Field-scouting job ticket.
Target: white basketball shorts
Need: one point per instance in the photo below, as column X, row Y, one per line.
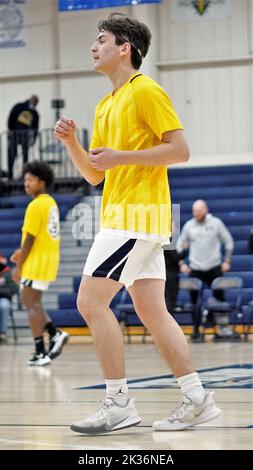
column 37, row 285
column 125, row 259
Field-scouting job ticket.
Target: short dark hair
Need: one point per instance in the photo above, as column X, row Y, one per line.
column 42, row 170
column 128, row 29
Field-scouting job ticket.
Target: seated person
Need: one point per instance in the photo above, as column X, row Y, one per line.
column 7, row 289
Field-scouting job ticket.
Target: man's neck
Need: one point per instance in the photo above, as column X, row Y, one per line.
column 39, row 194
column 120, row 76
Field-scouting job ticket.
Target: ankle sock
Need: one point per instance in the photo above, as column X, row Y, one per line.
column 192, row 388
column 50, row 328
column 117, row 389
column 39, row 345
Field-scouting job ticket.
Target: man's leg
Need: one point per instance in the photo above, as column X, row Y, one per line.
column 171, row 290
column 210, row 276
column 38, row 318
column 5, row 310
column 198, row 406
column 196, row 314
column 118, row 411
column 148, row 299
column 25, row 147
column 94, row 297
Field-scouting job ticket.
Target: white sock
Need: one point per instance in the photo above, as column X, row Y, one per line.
column 117, row 389
column 192, row 388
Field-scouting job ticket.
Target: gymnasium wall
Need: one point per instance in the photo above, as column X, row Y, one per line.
column 205, row 66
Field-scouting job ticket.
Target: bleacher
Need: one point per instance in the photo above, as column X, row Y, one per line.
column 229, row 194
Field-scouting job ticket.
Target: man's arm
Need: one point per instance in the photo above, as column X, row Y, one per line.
column 13, row 117
column 226, row 238
column 183, row 244
column 174, row 149
column 65, row 132
column 24, row 252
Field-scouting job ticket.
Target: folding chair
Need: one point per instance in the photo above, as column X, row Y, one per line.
column 184, row 303
column 247, row 316
column 232, row 287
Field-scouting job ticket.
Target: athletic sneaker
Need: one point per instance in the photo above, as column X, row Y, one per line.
column 111, row 416
column 39, row 360
column 56, row 344
column 186, row 415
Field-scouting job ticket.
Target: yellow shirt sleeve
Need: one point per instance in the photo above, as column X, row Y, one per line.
column 95, row 140
column 155, row 108
column 32, row 221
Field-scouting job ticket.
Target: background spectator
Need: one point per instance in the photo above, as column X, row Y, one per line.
column 7, row 289
column 204, row 236
column 23, row 123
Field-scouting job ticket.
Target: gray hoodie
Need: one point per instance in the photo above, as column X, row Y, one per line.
column 204, row 241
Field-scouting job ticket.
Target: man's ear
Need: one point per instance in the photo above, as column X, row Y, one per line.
column 126, row 47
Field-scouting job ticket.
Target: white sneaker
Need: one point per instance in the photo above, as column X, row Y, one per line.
column 56, row 344
column 186, row 415
column 109, row 417
column 39, row 360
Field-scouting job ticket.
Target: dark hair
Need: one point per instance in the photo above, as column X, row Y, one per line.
column 42, row 170
column 128, row 29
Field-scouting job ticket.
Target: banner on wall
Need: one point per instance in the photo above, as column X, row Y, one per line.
column 187, row 10
column 70, row 5
column 12, row 23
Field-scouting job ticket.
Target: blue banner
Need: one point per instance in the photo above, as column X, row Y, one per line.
column 70, row 5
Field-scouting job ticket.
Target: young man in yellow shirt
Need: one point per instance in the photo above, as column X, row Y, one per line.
column 37, row 261
column 136, row 135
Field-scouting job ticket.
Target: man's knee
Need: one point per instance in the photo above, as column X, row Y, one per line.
column 5, row 304
column 88, row 306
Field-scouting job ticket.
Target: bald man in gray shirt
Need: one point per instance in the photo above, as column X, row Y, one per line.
column 204, row 236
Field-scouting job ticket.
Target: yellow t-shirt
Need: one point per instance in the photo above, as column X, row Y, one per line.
column 42, row 221
column 136, row 198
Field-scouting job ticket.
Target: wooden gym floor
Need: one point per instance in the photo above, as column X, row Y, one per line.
column 38, row 404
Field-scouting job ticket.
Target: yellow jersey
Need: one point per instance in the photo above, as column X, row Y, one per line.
column 136, row 198
column 42, row 221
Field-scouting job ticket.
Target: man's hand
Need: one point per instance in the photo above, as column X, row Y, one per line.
column 16, row 275
column 65, row 130
column 184, row 268
column 103, row 158
column 15, row 256
column 225, row 267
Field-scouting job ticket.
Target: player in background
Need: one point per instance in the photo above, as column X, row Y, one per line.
column 37, row 260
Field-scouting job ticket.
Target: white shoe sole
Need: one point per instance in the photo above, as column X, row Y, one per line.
column 132, row 420
column 208, row 415
column 38, row 364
